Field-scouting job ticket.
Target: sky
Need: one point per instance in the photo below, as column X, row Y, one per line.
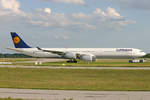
column 76, row 23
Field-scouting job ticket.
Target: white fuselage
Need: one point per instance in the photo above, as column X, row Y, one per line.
column 97, row 52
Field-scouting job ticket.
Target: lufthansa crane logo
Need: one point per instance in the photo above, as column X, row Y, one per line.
column 16, row 40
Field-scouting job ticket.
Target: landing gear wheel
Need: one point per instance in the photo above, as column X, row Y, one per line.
column 130, row 61
column 72, row 61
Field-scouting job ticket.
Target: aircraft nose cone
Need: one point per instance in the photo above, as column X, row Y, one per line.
column 143, row 54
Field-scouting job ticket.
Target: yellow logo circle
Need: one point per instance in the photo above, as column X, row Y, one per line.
column 16, row 40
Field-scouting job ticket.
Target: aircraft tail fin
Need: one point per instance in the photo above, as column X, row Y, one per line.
column 18, row 42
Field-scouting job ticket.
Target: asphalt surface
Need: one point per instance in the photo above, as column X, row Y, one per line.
column 52, row 67
column 75, row 95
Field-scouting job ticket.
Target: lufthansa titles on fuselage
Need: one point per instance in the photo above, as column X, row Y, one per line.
column 123, row 50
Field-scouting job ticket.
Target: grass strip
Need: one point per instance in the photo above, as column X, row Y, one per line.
column 75, row 79
column 9, row 98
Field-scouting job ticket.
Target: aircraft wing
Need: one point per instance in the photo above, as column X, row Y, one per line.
column 68, row 54
column 51, row 51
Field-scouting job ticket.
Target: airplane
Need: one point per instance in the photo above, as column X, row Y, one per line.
column 73, row 54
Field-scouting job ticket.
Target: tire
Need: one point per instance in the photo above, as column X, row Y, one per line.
column 130, row 61
column 141, row 61
column 72, row 61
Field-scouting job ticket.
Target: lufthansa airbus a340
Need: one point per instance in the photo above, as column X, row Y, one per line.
column 85, row 54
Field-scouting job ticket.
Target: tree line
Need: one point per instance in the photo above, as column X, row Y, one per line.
column 15, row 55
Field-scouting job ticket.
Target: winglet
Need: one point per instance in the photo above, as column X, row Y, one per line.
column 38, row 48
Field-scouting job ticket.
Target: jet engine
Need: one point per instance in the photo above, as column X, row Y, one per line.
column 88, row 57
column 70, row 55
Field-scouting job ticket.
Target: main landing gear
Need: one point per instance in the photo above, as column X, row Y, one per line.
column 72, row 61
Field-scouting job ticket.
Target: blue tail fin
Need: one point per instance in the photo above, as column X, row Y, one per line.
column 18, row 42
